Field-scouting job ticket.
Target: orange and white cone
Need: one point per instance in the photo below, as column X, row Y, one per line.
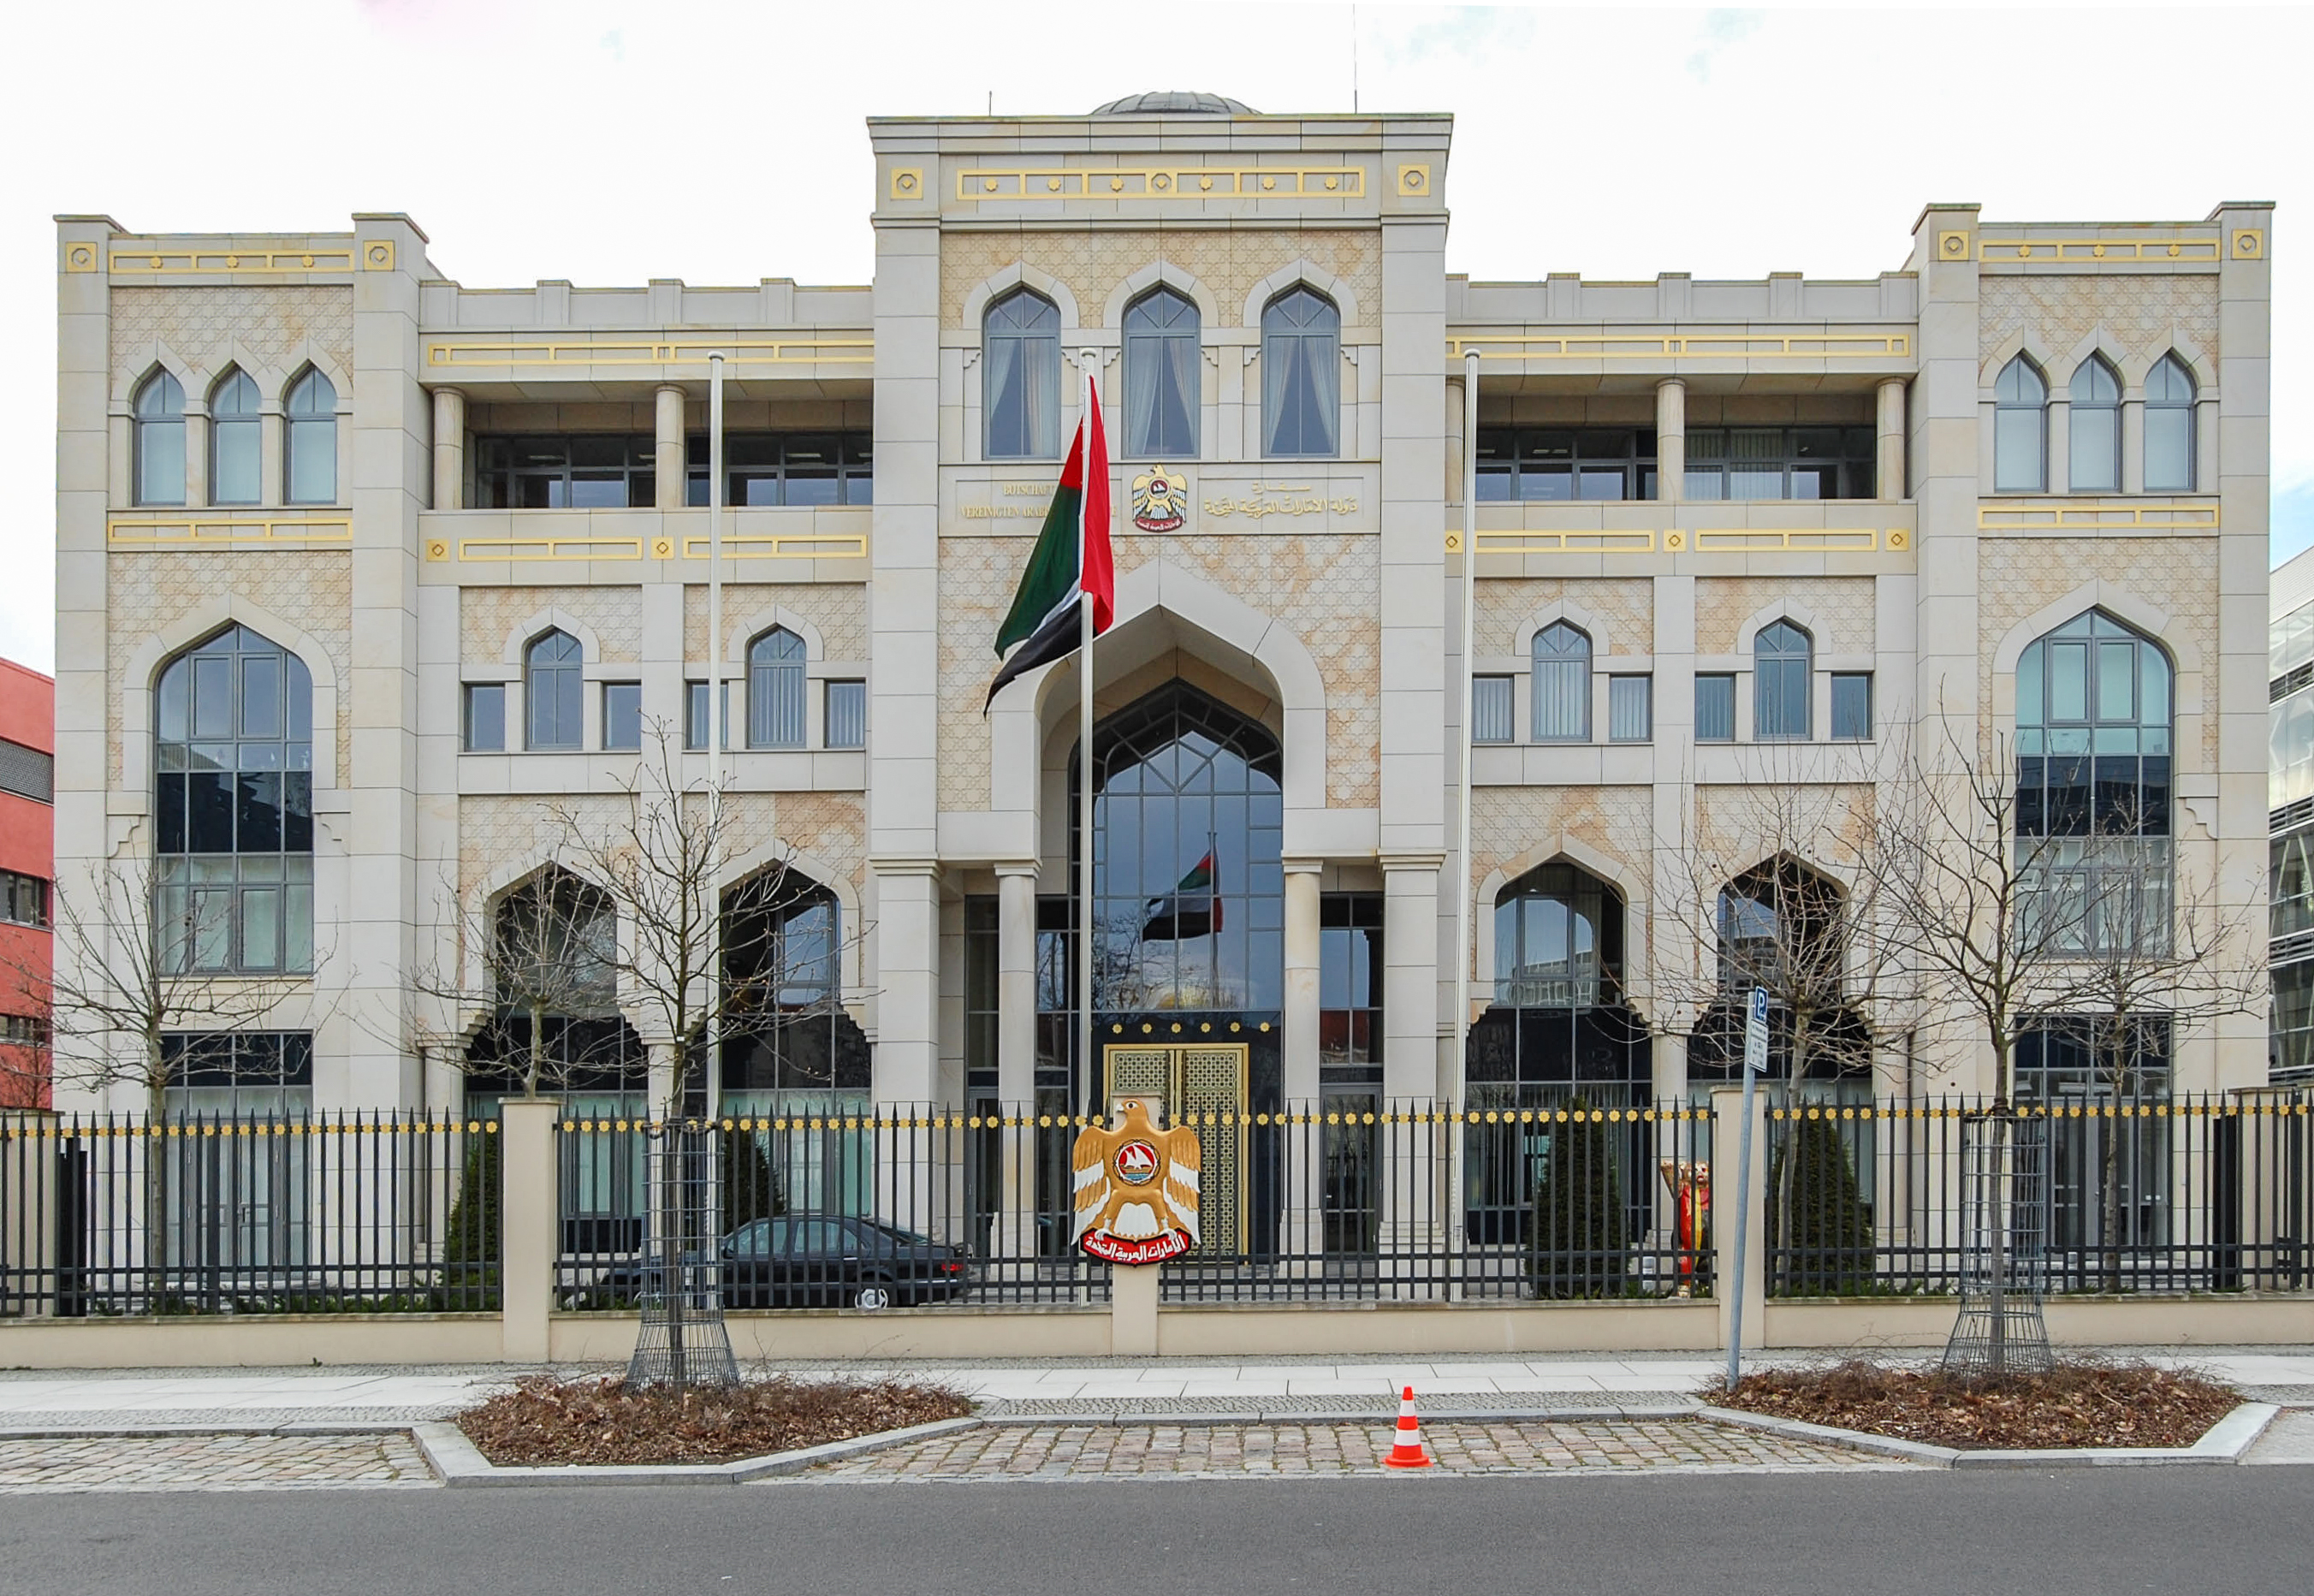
column 1407, row 1452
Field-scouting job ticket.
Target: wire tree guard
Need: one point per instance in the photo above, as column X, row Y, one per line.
column 2004, row 1265
column 682, row 1340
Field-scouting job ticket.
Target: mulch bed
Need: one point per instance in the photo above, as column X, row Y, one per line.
column 2077, row 1404
column 544, row 1421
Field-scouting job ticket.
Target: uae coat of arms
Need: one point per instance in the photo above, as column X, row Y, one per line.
column 1137, row 1187
column 1161, row 501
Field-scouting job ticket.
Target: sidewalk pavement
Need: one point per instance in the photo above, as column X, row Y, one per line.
column 259, row 1399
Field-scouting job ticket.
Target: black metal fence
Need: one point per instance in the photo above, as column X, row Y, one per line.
column 1409, row 1200
column 114, row 1215
column 2186, row 1195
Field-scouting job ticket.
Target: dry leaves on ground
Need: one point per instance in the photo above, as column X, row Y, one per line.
column 544, row 1421
column 2077, row 1404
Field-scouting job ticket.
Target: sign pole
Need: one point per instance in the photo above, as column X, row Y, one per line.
column 1755, row 1064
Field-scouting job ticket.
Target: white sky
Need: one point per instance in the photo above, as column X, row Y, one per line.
column 610, row 143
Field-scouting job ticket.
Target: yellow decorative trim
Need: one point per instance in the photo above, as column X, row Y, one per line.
column 662, row 548
column 907, row 183
column 1824, row 540
column 80, row 257
column 437, row 549
column 1160, row 182
column 1414, row 181
column 2052, row 250
column 132, row 261
column 2096, row 514
column 377, row 255
column 1590, row 541
column 2250, row 243
column 224, row 530
column 1952, row 246
column 550, row 547
column 601, row 351
column 1687, row 346
column 785, row 546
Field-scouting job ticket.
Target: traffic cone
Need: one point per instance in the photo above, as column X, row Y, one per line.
column 1407, row 1453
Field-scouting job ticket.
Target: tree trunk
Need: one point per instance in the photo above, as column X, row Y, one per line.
column 157, row 1170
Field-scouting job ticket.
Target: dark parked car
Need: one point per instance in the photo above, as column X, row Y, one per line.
column 820, row 1260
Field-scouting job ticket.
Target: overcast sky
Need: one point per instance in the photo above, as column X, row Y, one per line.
column 610, row 143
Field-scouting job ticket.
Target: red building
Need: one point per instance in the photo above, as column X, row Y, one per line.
column 28, row 721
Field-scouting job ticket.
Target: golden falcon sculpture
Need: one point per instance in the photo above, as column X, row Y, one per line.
column 1137, row 1187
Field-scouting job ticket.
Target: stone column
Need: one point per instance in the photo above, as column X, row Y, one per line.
column 1457, row 444
column 673, row 464
column 907, row 965
column 1670, row 1071
column 1302, row 961
column 1671, row 440
column 1016, row 1055
column 529, row 1209
column 449, row 449
column 1888, row 462
column 1411, row 1223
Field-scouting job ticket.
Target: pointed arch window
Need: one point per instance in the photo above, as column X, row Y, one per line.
column 1301, row 377
column 1161, row 391
column 2020, row 429
column 2094, row 702
column 234, row 474
column 1780, row 683
column 312, row 437
column 788, row 1039
column 233, row 808
column 1563, row 684
column 159, row 412
column 2094, row 441
column 1021, row 377
column 776, row 690
column 2170, row 426
column 553, row 670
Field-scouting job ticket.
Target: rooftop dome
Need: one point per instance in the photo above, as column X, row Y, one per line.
column 1173, row 103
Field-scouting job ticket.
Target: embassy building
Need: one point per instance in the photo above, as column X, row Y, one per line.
column 368, row 578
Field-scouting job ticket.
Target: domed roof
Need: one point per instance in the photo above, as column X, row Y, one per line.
column 1171, row 102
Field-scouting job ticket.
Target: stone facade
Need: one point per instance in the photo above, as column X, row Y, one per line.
column 1317, row 599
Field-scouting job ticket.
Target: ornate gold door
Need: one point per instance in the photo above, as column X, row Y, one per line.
column 1208, row 1080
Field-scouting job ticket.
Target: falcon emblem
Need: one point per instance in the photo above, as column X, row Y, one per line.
column 1137, row 1187
column 1161, row 501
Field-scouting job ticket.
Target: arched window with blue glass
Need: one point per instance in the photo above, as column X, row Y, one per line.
column 553, row 689
column 1301, row 377
column 2020, row 429
column 776, row 690
column 312, row 413
column 1161, row 388
column 158, row 415
column 2170, row 396
column 2094, row 779
column 1563, row 684
column 1021, row 377
column 1783, row 684
column 2093, row 448
column 233, row 809
column 235, row 477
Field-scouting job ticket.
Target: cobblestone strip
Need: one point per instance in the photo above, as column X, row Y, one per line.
column 208, row 1463
column 1092, row 1451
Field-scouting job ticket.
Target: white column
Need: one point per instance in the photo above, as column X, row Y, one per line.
column 1016, row 984
column 1670, row 1071
column 1671, row 440
column 907, row 965
column 449, row 449
column 1888, row 465
column 1410, row 976
column 1455, row 447
column 2133, row 446
column 673, row 465
column 1300, row 1019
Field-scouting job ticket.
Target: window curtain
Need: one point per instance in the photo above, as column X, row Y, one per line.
column 1142, row 375
column 775, row 689
column 1181, row 411
column 1001, row 396
column 1301, row 392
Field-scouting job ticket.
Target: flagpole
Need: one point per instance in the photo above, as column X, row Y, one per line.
column 717, row 734
column 1462, row 952
column 1084, row 742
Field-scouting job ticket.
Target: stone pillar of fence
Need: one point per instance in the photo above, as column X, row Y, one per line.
column 528, row 1205
column 1726, row 1191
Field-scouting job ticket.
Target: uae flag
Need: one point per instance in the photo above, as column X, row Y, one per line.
column 1192, row 909
column 1071, row 557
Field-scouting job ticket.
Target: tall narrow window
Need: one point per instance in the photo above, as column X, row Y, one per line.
column 1490, row 709
column 2093, row 783
column 1715, row 708
column 844, row 715
column 1631, row 708
column 2168, row 428
column 1563, row 684
column 2020, row 429
column 554, row 674
column 1301, row 378
column 1160, row 376
column 160, row 442
column 1779, row 682
column 234, row 474
column 234, row 802
column 2096, row 429
column 776, row 690
column 1021, row 377
column 312, row 412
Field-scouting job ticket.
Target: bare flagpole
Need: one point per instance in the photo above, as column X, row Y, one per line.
column 718, row 733
column 1469, row 622
column 1084, row 738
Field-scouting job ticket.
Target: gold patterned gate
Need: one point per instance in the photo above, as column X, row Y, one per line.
column 1208, row 1080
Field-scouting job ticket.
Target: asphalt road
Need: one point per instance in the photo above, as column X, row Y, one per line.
column 2201, row 1530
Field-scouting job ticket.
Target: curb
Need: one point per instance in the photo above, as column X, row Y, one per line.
column 459, row 1464
column 2224, row 1442
column 99, row 1431
column 1620, row 1413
